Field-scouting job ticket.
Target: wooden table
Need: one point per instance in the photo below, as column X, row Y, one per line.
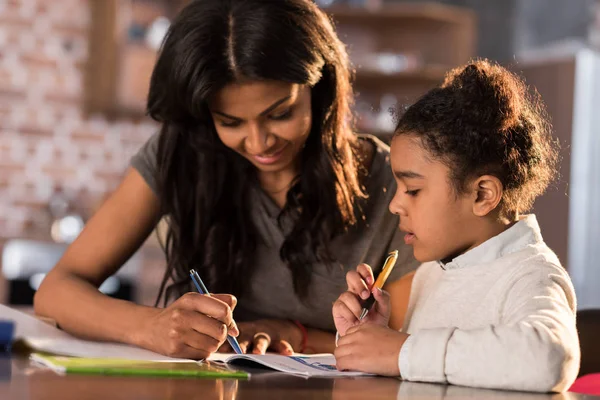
column 23, row 381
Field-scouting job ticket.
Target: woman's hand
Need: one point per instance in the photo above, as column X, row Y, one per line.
column 277, row 335
column 193, row 327
column 348, row 307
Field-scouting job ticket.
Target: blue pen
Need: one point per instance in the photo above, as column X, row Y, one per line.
column 203, row 290
column 7, row 330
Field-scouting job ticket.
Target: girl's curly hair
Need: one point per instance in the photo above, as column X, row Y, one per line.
column 483, row 120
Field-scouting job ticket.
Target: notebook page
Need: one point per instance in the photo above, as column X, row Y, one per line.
column 313, row 365
column 43, row 337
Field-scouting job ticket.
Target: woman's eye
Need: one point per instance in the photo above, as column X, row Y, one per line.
column 232, row 124
column 281, row 116
column 412, row 193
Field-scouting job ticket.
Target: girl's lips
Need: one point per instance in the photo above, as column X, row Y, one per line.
column 409, row 238
column 269, row 158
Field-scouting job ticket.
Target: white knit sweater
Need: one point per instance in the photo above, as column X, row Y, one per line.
column 500, row 316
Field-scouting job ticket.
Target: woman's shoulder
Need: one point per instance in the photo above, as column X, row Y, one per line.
column 374, row 143
column 374, row 139
column 378, row 151
column 145, row 161
column 376, row 158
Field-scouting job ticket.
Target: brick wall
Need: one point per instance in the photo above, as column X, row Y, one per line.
column 46, row 143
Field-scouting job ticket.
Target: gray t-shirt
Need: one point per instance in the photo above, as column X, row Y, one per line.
column 271, row 293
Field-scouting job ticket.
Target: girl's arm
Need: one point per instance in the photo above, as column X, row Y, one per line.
column 535, row 347
column 317, row 341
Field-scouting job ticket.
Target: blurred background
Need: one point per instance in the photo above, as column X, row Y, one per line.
column 74, row 77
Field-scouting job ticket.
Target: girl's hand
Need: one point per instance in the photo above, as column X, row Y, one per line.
column 370, row 348
column 347, row 308
column 276, row 335
column 193, row 327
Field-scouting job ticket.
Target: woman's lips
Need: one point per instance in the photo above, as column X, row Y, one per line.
column 270, row 158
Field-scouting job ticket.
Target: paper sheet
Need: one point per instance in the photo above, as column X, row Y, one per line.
column 43, row 337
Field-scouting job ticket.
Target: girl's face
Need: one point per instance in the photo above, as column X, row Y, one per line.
column 439, row 224
column 267, row 122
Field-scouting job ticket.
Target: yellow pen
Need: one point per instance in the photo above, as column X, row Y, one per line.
column 390, row 261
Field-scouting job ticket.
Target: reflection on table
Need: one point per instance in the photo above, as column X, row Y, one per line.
column 19, row 379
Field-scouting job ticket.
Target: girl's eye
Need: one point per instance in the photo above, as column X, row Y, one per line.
column 412, row 193
column 281, row 116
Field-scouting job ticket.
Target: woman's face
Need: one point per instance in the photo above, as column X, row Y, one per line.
column 267, row 122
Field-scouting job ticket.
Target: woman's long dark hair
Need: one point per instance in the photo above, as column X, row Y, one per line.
column 203, row 186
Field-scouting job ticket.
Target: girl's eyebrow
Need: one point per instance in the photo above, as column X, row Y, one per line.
column 266, row 111
column 408, row 174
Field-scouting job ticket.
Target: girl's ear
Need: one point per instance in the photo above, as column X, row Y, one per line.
column 489, row 191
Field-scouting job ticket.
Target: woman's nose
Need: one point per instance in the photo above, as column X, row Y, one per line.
column 258, row 139
column 256, row 142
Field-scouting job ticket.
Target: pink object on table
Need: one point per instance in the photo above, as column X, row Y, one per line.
column 587, row 384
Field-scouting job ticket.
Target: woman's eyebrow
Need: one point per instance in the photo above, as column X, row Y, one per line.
column 266, row 111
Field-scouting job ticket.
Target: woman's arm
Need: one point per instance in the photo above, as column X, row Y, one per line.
column 281, row 336
column 399, row 291
column 318, row 341
column 69, row 294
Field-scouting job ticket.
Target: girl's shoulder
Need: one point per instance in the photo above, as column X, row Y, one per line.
column 535, row 262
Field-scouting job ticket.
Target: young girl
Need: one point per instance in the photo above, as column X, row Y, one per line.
column 491, row 306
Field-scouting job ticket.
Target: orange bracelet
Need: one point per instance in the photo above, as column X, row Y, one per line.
column 304, row 336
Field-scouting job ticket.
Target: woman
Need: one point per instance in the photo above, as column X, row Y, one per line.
column 262, row 182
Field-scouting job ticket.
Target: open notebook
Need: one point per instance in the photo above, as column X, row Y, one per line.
column 44, row 338
column 216, row 366
column 313, row 365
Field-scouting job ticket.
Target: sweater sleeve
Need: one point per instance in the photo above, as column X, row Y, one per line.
column 535, row 347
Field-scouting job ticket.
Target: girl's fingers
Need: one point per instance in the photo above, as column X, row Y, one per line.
column 343, row 317
column 352, row 303
column 383, row 303
column 357, row 285
column 366, row 272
